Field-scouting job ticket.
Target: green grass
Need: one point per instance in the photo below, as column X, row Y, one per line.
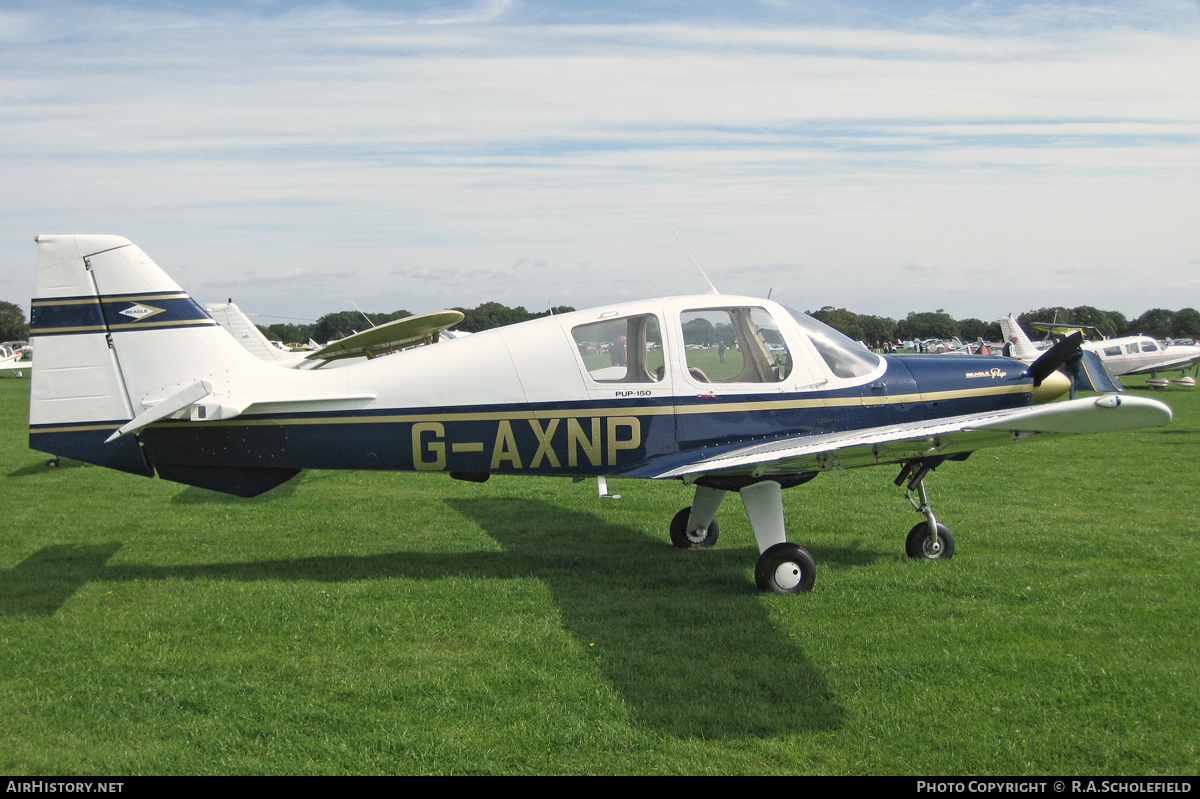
column 355, row 622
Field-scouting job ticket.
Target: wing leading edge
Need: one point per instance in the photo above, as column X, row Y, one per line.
column 941, row 437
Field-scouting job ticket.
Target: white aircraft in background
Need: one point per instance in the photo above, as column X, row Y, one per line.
column 134, row 375
column 10, row 361
column 1134, row 355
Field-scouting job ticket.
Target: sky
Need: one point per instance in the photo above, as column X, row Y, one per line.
column 886, row 157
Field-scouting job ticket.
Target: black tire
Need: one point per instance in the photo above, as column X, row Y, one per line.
column 679, row 533
column 917, row 545
column 785, row 569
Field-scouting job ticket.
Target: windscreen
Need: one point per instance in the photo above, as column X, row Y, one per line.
column 845, row 356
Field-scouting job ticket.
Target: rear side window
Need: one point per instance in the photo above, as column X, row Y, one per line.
column 627, row 349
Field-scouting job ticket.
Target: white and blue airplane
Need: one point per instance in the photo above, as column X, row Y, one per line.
column 134, row 375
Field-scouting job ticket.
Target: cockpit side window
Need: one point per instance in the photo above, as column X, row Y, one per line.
column 624, row 350
column 734, row 345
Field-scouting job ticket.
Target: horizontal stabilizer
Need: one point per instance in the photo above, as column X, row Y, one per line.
column 172, row 404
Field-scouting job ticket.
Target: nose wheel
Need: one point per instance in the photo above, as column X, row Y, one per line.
column 930, row 539
column 921, row 544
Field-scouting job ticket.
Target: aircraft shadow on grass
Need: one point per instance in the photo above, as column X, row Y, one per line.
column 690, row 649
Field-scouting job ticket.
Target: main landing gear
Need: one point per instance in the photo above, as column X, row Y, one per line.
column 782, row 568
column 928, row 539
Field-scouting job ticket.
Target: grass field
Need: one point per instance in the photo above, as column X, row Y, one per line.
column 355, row 622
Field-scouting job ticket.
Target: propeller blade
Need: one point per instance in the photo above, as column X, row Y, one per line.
column 1054, row 357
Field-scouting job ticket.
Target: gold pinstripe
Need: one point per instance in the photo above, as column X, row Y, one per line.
column 174, row 295
column 128, row 326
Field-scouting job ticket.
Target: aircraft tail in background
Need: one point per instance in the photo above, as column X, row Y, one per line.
column 1022, row 349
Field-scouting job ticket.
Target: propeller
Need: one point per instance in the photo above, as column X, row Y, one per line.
column 1054, row 357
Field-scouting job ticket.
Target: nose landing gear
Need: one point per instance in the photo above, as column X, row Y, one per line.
column 929, row 539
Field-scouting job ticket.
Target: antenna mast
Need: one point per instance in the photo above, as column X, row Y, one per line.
column 360, row 310
column 697, row 263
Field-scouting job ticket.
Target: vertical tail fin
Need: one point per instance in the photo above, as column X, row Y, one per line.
column 1023, row 348
column 114, row 336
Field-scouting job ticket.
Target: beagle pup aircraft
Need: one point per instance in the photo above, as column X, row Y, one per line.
column 723, row 393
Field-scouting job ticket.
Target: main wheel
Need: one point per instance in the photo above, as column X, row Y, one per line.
column 919, row 543
column 785, row 569
column 681, row 538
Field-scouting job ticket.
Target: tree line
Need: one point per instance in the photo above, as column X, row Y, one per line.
column 1157, row 322
column 331, row 327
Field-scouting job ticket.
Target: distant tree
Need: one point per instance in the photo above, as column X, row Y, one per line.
column 1156, row 322
column 860, row 327
column 699, row 331
column 877, row 329
column 1186, row 324
column 12, row 322
column 1109, row 323
column 839, row 319
column 491, row 314
column 937, row 324
column 495, row 314
column 975, row 329
column 288, row 333
column 331, row 327
column 1054, row 314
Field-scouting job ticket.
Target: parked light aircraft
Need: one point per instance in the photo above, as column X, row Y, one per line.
column 134, row 375
column 1128, row 355
column 10, row 362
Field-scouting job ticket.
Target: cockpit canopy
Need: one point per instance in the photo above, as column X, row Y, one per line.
column 742, row 342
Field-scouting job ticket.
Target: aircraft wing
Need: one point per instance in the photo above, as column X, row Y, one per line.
column 395, row 335
column 941, row 437
column 1181, row 362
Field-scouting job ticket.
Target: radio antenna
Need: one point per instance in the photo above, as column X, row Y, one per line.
column 697, row 263
column 360, row 310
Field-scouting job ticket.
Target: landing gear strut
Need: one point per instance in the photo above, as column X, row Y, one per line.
column 928, row 539
column 782, row 568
